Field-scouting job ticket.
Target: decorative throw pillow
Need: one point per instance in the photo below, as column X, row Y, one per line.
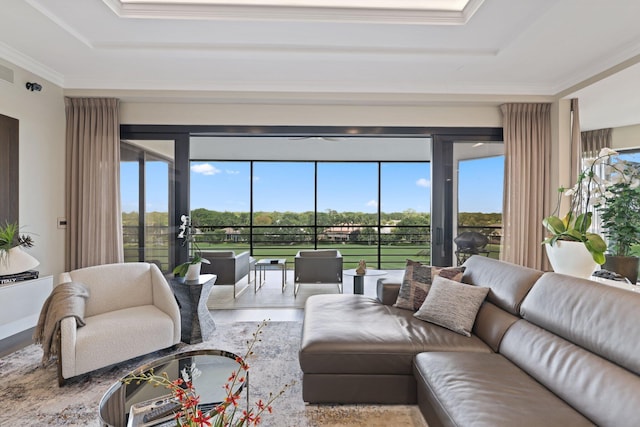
column 417, row 281
column 452, row 305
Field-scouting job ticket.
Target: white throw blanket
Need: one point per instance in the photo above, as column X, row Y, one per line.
column 66, row 300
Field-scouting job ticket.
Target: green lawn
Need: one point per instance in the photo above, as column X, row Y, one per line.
column 392, row 257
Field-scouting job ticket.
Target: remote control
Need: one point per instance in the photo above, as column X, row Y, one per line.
column 160, row 411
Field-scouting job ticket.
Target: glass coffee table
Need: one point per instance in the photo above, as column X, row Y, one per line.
column 216, row 367
column 358, row 279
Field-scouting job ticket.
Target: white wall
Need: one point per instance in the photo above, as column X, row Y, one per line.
column 42, row 141
column 320, row 115
column 626, row 137
column 42, row 131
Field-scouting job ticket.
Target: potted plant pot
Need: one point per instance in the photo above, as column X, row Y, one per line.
column 571, row 258
column 193, row 272
column 626, row 266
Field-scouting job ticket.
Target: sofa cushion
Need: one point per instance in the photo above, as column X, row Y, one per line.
column 218, row 254
column 509, row 283
column 604, row 392
column 417, row 281
column 113, row 288
column 603, row 319
column 492, row 323
column 473, row 389
column 356, row 334
column 319, row 253
column 452, row 305
column 103, row 343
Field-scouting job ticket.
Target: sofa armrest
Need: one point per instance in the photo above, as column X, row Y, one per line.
column 242, row 265
column 67, row 350
column 164, row 299
column 387, row 289
column 63, row 278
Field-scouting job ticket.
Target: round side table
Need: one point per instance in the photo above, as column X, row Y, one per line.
column 358, row 279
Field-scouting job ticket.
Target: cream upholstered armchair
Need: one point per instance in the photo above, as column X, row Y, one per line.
column 130, row 312
column 317, row 266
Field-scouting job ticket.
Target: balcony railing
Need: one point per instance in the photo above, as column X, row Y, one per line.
column 385, row 247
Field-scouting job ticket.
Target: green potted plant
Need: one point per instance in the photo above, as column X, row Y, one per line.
column 182, row 269
column 12, row 259
column 620, row 216
column 189, row 270
column 570, row 235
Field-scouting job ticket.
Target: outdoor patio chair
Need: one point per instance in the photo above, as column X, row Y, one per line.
column 317, row 266
column 228, row 266
column 470, row 243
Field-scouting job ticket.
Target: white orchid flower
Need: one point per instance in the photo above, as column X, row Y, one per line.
column 195, row 372
column 607, row 152
column 185, row 374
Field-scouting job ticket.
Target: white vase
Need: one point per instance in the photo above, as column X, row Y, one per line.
column 15, row 261
column 571, row 258
column 193, row 272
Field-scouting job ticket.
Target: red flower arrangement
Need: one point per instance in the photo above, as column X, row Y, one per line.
column 225, row 414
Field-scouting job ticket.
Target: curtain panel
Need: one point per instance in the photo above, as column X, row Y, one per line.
column 94, row 224
column 527, row 142
column 595, row 140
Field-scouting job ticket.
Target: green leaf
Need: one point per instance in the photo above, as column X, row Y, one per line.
column 583, row 222
column 596, row 242
column 181, row 269
column 554, row 225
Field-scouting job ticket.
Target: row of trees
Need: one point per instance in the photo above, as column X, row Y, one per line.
column 205, row 217
column 286, row 227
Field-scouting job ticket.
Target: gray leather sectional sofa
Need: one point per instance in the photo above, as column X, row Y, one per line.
column 546, row 350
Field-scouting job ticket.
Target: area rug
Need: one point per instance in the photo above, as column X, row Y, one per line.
column 30, row 395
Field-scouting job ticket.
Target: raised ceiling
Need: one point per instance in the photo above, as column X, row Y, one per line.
column 381, row 49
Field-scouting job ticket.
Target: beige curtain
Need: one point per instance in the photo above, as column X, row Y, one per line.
column 595, row 140
column 94, row 225
column 527, row 141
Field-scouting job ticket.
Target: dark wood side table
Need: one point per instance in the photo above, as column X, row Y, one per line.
column 197, row 323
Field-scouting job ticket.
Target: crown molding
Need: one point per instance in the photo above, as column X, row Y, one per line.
column 407, row 12
column 13, row 56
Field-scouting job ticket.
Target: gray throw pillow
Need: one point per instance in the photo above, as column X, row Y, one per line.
column 452, row 305
column 417, row 281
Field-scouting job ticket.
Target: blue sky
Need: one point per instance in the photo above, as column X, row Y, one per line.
column 342, row 186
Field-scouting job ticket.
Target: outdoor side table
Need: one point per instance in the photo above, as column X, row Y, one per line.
column 196, row 321
column 270, row 263
column 358, row 279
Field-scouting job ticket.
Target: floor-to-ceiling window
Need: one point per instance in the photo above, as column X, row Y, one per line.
column 275, row 209
column 146, row 174
column 275, row 190
column 480, row 182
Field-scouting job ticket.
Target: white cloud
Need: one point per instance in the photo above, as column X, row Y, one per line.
column 205, row 169
column 372, row 203
column 423, row 182
column 232, row 172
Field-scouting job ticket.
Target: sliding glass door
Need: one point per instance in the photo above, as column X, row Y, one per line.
column 147, row 188
column 480, row 182
column 385, row 195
